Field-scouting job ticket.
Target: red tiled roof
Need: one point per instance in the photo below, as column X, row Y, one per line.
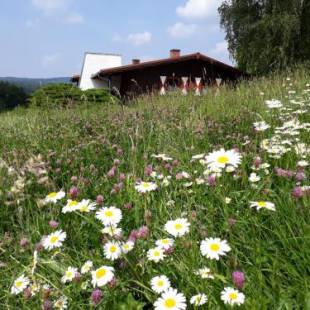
column 153, row 63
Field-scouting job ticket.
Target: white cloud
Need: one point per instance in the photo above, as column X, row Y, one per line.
column 139, row 38
column 180, row 30
column 50, row 59
column 134, row 38
column 220, row 51
column 50, row 6
column 196, row 9
column 74, row 18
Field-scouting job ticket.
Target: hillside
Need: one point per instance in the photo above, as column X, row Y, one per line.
column 211, row 194
column 31, row 84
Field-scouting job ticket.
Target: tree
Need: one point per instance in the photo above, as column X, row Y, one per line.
column 264, row 35
column 11, row 96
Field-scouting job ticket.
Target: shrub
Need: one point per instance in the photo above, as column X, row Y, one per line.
column 66, row 95
column 11, row 96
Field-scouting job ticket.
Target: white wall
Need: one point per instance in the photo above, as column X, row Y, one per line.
column 94, row 63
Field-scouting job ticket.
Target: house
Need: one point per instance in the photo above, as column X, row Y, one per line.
column 185, row 72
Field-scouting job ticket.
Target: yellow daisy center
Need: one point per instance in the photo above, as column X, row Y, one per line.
column 214, row 247
column 261, row 204
column 233, row 295
column 108, row 213
column 18, row 284
column 100, row 273
column 156, row 253
column 170, row 303
column 160, row 283
column 83, row 208
column 178, row 226
column 52, row 195
column 146, row 185
column 72, row 203
column 126, row 246
column 165, row 241
column 113, row 248
column 69, row 274
column 223, row 159
column 54, row 239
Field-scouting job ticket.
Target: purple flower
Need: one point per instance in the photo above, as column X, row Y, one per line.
column 74, row 192
column 122, row 177
column 47, row 305
column 143, row 232
column 24, row 242
column 111, row 172
column 238, row 279
column 231, row 221
column 148, row 170
column 128, row 206
column 117, row 162
column 53, row 224
column 96, row 296
column 297, row 192
column 211, row 180
column 300, row 176
column 257, row 162
column 99, row 199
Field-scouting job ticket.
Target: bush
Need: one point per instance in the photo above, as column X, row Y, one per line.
column 11, row 96
column 66, row 95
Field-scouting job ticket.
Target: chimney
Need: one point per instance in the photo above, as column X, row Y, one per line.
column 135, row 61
column 175, row 53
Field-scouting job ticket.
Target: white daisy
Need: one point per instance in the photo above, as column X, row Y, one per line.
column 163, row 157
column 127, row 246
column 54, row 240
column 86, row 206
column 178, row 227
column 112, row 231
column 254, row 178
column 205, row 273
column 61, row 303
column 198, row 156
column 232, row 296
column 144, row 187
column 273, row 104
column 109, row 216
column 155, row 254
column 263, row 205
column 112, row 250
column 102, row 276
column 199, row 299
column 165, row 243
column 87, row 267
column 72, row 205
column 160, row 284
column 69, row 275
column 222, row 158
column 171, row 300
column 261, row 126
column 19, row 285
column 54, row 196
column 213, row 248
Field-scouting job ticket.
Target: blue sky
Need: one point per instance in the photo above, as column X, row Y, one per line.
column 48, row 38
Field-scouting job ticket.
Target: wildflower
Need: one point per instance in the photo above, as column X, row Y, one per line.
column 24, row 242
column 297, row 192
column 112, row 231
column 254, row 177
column 227, row 200
column 69, row 275
column 198, row 156
column 87, row 267
column 109, row 216
column 99, row 200
column 143, row 232
column 54, row 240
column 238, row 279
column 178, row 227
column 160, row 284
column 47, row 305
column 73, row 192
column 127, row 246
column 170, row 299
column 222, row 158
column 102, row 276
column 144, row 187
column 53, row 224
column 54, row 196
column 61, row 303
column 19, row 285
column 86, row 206
column 205, row 273
column 163, row 157
column 302, row 163
column 261, row 126
column 199, row 300
column 165, row 244
column 213, row 248
column 72, row 205
column 231, row 296
column 155, row 254
column 273, row 104
column 262, row 205
column 112, row 250
column 96, row 296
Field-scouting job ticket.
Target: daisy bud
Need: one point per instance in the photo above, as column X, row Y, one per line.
column 128, row 206
column 24, row 242
column 116, row 162
column 73, row 192
column 27, row 293
column 47, row 305
column 148, row 170
column 238, row 279
column 96, row 296
column 122, row 177
column 99, row 200
column 297, row 192
column 111, row 172
column 53, row 224
column 112, row 283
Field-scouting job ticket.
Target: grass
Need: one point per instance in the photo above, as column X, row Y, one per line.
column 271, row 248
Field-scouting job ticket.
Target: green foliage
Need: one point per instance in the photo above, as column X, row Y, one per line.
column 11, row 96
column 67, row 95
column 267, row 35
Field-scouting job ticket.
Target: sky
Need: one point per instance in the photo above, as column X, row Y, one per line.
column 48, row 38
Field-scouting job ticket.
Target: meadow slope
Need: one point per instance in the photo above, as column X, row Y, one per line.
column 256, row 197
